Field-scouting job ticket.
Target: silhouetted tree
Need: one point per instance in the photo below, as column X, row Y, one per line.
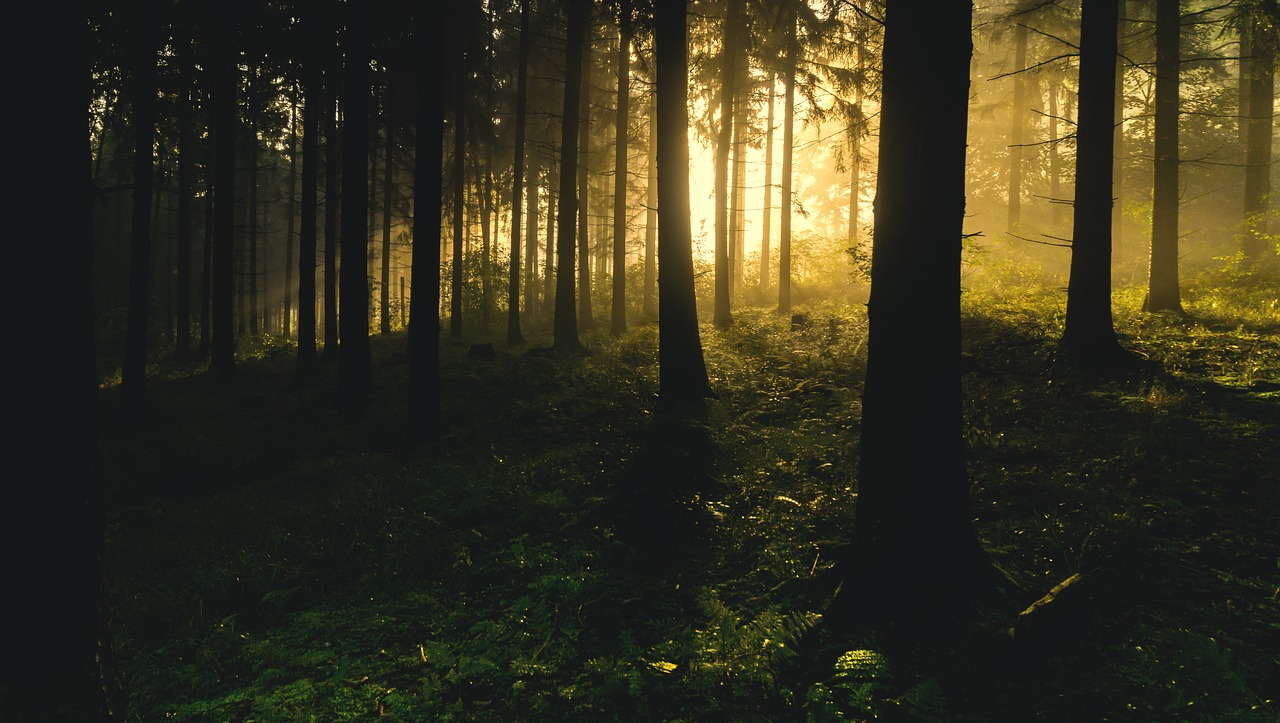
column 565, row 323
column 312, row 109
column 722, row 316
column 225, row 69
column 355, row 371
column 1089, row 332
column 133, row 378
column 514, row 337
column 618, row 318
column 1163, row 293
column 915, row 551
column 683, row 383
column 428, row 188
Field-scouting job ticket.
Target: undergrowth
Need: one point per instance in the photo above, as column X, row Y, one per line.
column 270, row 560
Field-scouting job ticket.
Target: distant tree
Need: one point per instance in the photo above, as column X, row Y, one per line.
column 915, row 553
column 286, row 327
column 312, row 108
column 728, row 75
column 459, row 184
column 651, row 216
column 586, row 318
column 618, row 318
column 1163, row 293
column 1018, row 121
column 768, row 181
column 332, row 200
column 355, row 370
column 1259, row 23
column 514, row 337
column 133, row 378
column 565, row 322
column 388, row 203
column 428, row 189
column 683, row 385
column 1089, row 332
column 788, row 150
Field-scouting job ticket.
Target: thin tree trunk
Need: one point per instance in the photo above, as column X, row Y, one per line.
column 651, row 216
column 1162, row 292
column 514, row 337
column 1258, row 159
column 225, row 67
column 1118, row 152
column 388, row 201
column 459, row 200
column 586, row 320
column 312, row 110
column 290, row 212
column 565, row 324
column 618, row 321
column 1016, row 135
column 788, row 141
column 722, row 316
column 768, row 187
column 186, row 190
column 332, row 197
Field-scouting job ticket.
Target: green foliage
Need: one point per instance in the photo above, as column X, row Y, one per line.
column 270, row 560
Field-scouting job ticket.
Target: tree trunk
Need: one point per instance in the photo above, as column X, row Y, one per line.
column 251, row 279
column 355, row 365
column 388, row 200
column 565, row 323
column 225, row 69
column 651, row 216
column 1089, row 332
column 914, row 542
column 133, row 377
column 1117, row 168
column 788, row 143
column 312, row 109
column 1018, row 120
column 1258, row 160
column 768, row 187
column 682, row 372
column 459, row 183
column 186, row 190
column 618, row 318
column 514, row 337
column 722, row 316
column 586, row 321
column 1163, row 293
column 286, row 327
column 428, row 187
column 332, row 197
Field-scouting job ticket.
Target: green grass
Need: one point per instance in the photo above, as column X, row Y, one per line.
column 270, row 560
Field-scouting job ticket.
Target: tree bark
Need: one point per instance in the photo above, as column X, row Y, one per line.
column 768, row 186
column 312, row 109
column 355, row 365
column 225, row 69
column 133, row 376
column 788, row 143
column 682, row 377
column 514, row 337
column 565, row 322
column 618, row 317
column 722, row 316
column 1162, row 291
column 586, row 319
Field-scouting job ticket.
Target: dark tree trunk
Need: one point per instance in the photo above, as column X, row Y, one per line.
column 428, row 189
column 586, row 319
column 682, row 372
column 651, row 217
column 514, row 337
column 312, row 109
column 1118, row 152
column 355, row 367
column 1014, row 216
column 1163, row 293
column 133, row 381
column 286, row 327
column 914, row 542
column 225, row 130
column 788, row 143
column 206, row 267
column 388, row 200
column 618, row 318
column 768, row 187
column 1089, row 332
column 459, row 187
column 332, row 197
column 251, row 278
column 1260, row 137
column 531, row 239
column 565, row 323
column 186, row 191
column 722, row 316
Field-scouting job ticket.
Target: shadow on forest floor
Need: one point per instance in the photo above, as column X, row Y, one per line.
column 272, row 560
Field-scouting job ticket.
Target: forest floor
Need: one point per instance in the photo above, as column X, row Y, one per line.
column 271, row 560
